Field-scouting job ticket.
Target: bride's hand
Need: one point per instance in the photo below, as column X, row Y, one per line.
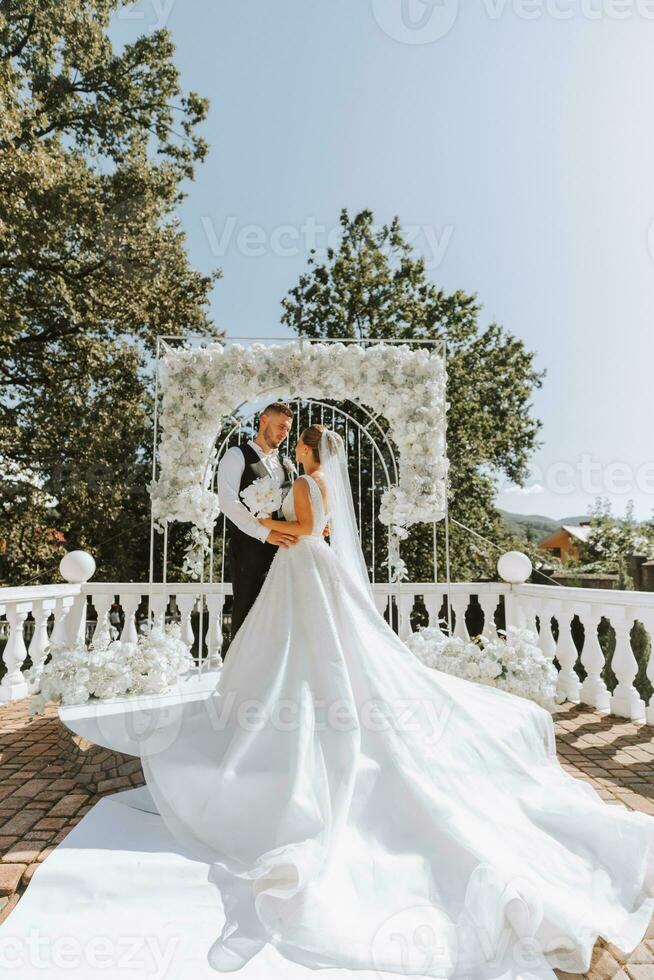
column 266, row 521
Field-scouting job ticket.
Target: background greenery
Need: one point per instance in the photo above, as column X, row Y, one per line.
column 94, row 149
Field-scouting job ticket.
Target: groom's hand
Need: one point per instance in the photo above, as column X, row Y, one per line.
column 283, row 540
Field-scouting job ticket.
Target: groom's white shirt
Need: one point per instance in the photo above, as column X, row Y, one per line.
column 230, row 471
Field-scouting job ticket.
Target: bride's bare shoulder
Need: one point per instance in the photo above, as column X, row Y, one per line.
column 319, row 479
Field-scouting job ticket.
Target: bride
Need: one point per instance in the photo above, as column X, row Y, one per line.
column 358, row 809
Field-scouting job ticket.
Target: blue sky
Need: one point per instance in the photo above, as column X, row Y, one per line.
column 514, row 139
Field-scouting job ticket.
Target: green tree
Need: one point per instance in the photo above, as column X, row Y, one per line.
column 95, row 146
column 373, row 285
column 612, row 540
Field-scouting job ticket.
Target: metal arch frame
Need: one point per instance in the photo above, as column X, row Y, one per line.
column 422, row 342
column 317, row 401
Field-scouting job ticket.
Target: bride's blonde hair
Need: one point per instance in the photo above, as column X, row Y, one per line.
column 312, row 435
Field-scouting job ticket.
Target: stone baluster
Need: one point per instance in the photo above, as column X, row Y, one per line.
column 546, row 640
column 568, row 685
column 381, row 602
column 13, row 684
column 186, row 604
column 433, row 605
column 158, row 606
column 62, row 610
column 460, row 602
column 214, row 634
column 625, row 700
column 130, row 603
column 528, row 617
column 405, row 606
column 593, row 690
column 646, row 617
column 38, row 648
column 102, row 602
column 488, row 603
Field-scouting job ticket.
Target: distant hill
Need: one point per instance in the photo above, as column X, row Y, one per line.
column 536, row 526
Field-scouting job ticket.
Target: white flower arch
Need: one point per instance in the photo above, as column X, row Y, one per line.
column 202, row 387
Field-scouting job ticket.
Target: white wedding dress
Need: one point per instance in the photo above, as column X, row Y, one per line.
column 358, row 809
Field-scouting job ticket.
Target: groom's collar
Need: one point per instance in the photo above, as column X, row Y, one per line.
column 257, row 447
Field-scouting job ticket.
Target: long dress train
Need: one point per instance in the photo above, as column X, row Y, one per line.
column 358, row 809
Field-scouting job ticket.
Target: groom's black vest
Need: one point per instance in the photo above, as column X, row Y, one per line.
column 253, row 470
column 250, row 558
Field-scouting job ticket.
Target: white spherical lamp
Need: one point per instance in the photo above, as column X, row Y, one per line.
column 77, row 566
column 514, row 567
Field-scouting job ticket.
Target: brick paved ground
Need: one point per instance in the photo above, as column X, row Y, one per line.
column 42, row 798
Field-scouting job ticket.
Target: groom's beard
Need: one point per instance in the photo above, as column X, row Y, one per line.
column 271, row 441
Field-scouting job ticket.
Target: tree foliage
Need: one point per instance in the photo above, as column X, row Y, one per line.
column 612, row 541
column 373, row 286
column 95, row 145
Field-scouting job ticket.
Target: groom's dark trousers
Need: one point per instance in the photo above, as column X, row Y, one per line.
column 250, row 559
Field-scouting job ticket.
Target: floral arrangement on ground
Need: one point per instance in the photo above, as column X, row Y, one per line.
column 512, row 661
column 110, row 667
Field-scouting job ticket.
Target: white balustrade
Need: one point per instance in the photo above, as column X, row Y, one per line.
column 549, row 609
column 42, row 602
column 620, row 609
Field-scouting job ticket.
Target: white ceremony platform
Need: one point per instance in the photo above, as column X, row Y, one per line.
column 118, row 897
column 139, row 908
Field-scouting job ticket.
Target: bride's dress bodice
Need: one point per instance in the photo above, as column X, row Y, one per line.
column 320, row 518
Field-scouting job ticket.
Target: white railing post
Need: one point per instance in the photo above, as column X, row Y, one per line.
column 130, row 603
column 405, row 607
column 513, row 614
column 460, row 603
column 593, row 690
column 546, row 640
column 38, row 648
column 102, row 603
column 646, row 617
column 186, row 603
column 528, row 618
column 74, row 623
column 433, row 605
column 488, row 603
column 214, row 634
column 76, row 567
column 158, row 604
column 569, row 685
column 514, row 568
column 625, row 700
column 62, row 609
column 381, row 599
column 13, row 684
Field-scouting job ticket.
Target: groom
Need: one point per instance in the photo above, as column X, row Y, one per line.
column 252, row 546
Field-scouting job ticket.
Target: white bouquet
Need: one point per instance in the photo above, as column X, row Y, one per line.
column 263, row 497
